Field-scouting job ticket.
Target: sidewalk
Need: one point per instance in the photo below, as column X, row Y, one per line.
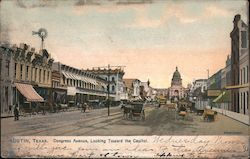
column 10, row 115
column 70, row 109
column 6, row 115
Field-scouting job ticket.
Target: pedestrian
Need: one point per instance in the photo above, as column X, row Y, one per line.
column 84, row 107
column 16, row 112
column 10, row 109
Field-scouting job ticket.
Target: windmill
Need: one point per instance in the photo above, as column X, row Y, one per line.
column 42, row 33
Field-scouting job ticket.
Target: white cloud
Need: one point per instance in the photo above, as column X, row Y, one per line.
column 216, row 11
column 169, row 11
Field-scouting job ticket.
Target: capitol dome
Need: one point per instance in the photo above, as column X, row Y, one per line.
column 176, row 80
column 176, row 74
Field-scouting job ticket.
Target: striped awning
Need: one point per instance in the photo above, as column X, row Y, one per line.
column 29, row 92
column 78, row 77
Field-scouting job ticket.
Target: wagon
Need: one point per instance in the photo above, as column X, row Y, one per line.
column 137, row 110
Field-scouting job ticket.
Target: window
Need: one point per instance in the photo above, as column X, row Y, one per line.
column 113, row 79
column 35, row 74
column 31, row 73
column 8, row 67
column 247, row 99
column 243, row 39
column 240, row 76
column 40, row 75
column 27, row 72
column 247, row 74
column 244, row 75
column 21, row 72
column 244, row 103
column 0, row 68
column 48, row 75
column 63, row 80
column 113, row 88
column 44, row 75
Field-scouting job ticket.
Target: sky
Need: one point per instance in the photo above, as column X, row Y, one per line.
column 150, row 38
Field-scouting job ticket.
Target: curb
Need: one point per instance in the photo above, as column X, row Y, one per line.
column 12, row 116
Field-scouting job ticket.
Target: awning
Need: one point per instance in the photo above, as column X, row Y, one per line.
column 91, row 81
column 29, row 92
column 69, row 75
column 78, row 77
column 84, row 79
column 224, row 97
column 101, row 84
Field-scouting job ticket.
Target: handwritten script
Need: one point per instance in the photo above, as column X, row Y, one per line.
column 129, row 146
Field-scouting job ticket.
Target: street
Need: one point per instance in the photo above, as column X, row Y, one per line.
column 159, row 121
column 96, row 122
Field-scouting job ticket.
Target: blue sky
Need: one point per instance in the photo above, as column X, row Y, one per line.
column 150, row 39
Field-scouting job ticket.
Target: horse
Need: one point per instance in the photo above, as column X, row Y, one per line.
column 126, row 112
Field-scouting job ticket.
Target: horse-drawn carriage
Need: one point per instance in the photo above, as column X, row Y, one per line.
column 134, row 110
column 29, row 108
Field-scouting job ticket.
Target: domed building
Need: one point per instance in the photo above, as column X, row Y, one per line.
column 176, row 91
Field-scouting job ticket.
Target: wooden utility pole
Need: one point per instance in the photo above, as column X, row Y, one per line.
column 108, row 87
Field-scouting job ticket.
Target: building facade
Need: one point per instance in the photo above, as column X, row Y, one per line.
column 115, row 78
column 6, row 79
column 77, row 85
column 244, row 69
column 133, row 88
column 199, row 83
column 176, row 91
column 28, row 75
column 239, row 65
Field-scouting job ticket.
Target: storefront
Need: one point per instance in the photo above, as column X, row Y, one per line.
column 26, row 96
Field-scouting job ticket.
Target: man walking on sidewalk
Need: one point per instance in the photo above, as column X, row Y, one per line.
column 16, row 112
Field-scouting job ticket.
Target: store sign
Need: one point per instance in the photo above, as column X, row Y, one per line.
column 213, row 93
column 71, row 91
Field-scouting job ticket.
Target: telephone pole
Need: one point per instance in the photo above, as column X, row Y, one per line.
column 108, row 87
